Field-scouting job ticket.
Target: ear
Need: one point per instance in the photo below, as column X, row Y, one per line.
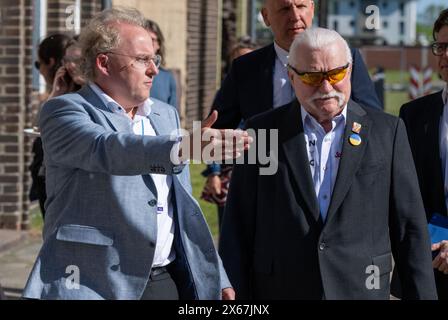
column 312, row 8
column 264, row 13
column 291, row 77
column 101, row 63
column 51, row 62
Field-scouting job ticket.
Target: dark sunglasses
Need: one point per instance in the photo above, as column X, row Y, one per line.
column 315, row 79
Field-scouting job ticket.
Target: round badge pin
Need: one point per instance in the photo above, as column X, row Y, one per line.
column 355, row 140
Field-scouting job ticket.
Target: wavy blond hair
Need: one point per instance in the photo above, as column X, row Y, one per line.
column 102, row 35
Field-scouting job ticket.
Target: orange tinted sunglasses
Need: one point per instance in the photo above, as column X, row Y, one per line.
column 315, row 79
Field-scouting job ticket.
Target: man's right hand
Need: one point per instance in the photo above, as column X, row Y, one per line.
column 440, row 262
column 223, row 143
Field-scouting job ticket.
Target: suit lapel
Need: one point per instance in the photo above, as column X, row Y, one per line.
column 116, row 121
column 266, row 93
column 351, row 156
column 296, row 155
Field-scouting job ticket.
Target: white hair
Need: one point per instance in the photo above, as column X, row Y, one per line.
column 316, row 39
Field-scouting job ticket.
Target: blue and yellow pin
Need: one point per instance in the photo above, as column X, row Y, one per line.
column 355, row 138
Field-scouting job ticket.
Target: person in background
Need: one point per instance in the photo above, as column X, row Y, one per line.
column 164, row 84
column 218, row 175
column 72, row 65
column 426, row 121
column 50, row 55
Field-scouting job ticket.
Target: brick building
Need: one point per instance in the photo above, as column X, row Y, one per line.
column 193, row 32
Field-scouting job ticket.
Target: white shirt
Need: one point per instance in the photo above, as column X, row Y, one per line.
column 324, row 153
column 282, row 89
column 141, row 125
column 443, row 129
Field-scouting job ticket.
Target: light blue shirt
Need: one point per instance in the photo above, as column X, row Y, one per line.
column 282, row 89
column 324, row 153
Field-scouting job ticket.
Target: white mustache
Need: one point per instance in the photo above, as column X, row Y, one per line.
column 334, row 94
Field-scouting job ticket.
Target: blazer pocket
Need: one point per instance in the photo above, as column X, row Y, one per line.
column 383, row 262
column 84, row 234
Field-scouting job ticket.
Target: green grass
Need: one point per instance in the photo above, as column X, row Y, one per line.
column 36, row 222
column 394, row 101
column 210, row 210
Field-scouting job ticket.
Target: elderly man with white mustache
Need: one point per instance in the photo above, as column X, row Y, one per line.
column 344, row 200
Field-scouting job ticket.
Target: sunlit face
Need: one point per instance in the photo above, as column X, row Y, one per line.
column 326, row 101
column 288, row 18
column 72, row 61
column 442, row 36
column 127, row 79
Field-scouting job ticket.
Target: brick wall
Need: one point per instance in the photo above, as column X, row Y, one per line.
column 18, row 101
column 13, row 84
column 202, row 47
column 393, row 58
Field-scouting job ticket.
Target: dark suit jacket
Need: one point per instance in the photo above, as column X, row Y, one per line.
column 274, row 244
column 422, row 119
column 248, row 89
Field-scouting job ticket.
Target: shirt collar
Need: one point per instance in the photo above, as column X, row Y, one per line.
column 144, row 109
column 282, row 54
column 305, row 115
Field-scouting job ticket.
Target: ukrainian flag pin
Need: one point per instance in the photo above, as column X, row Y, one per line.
column 355, row 140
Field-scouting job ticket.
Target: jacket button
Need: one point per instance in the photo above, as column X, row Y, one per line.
column 115, row 267
column 152, row 203
column 322, row 246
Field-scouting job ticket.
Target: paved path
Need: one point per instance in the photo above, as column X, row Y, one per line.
column 18, row 252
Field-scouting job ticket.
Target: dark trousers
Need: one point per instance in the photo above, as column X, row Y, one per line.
column 160, row 286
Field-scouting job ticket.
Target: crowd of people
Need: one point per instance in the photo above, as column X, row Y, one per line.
column 355, row 186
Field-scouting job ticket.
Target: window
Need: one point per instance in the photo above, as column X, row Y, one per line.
column 352, row 23
column 385, row 24
column 335, row 25
column 402, row 9
column 402, row 28
column 352, row 4
column 39, row 33
column 336, row 7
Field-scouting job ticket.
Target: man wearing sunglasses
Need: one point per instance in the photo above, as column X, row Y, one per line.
column 344, row 199
column 426, row 122
column 258, row 82
column 121, row 220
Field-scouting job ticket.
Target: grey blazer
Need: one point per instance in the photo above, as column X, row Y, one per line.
column 102, row 202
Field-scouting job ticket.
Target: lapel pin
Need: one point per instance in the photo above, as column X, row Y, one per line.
column 355, row 140
column 356, row 128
